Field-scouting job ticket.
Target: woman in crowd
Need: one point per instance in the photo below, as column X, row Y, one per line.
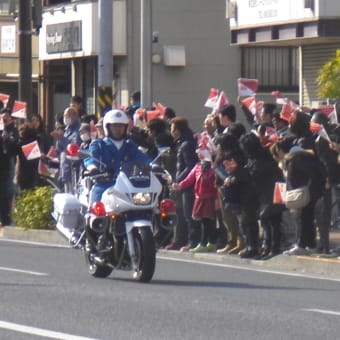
column 265, row 173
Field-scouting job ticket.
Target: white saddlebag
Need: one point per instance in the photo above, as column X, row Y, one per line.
column 66, row 210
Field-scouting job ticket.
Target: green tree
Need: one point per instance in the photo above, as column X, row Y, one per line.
column 328, row 79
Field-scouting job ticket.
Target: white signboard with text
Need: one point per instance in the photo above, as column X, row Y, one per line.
column 262, row 12
column 8, row 39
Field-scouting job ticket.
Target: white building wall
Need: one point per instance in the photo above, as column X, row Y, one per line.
column 201, row 28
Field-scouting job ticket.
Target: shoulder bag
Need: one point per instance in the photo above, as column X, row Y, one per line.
column 297, row 198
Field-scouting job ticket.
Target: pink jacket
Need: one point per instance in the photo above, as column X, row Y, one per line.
column 204, row 182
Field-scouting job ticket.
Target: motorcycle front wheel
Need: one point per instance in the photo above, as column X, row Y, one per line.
column 145, row 255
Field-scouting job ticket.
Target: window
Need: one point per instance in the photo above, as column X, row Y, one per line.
column 276, row 68
column 9, row 7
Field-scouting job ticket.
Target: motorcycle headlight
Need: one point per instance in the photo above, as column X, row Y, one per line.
column 142, row 198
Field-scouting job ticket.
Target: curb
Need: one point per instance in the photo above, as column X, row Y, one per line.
column 312, row 265
column 33, row 235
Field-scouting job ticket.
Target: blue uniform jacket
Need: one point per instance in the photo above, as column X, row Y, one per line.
column 110, row 159
column 107, row 153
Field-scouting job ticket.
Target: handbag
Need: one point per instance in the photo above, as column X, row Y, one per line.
column 270, row 210
column 297, row 198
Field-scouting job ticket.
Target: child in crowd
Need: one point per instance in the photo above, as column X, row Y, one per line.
column 202, row 177
column 239, row 197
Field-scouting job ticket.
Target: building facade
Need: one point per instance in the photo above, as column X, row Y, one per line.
column 9, row 54
column 304, row 34
column 191, row 53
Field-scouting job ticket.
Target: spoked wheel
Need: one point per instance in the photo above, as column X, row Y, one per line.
column 145, row 254
column 95, row 268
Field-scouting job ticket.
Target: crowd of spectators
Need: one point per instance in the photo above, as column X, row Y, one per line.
column 224, row 176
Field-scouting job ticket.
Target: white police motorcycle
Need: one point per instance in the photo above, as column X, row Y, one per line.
column 119, row 229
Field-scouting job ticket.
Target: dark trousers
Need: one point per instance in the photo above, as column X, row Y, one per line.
column 194, row 228
column 230, row 222
column 272, row 232
column 208, row 231
column 250, row 227
column 306, row 230
column 5, row 203
column 323, row 217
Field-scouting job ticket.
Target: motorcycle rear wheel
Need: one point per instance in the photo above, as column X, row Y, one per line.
column 145, row 255
column 96, row 270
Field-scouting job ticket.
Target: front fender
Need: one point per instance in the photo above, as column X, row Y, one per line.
column 129, row 225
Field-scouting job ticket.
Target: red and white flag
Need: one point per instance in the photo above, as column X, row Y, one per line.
column 222, row 101
column 153, row 114
column 43, row 168
column 247, row 87
column 320, row 130
column 279, row 98
column 330, row 112
column 279, row 193
column 161, row 108
column 31, row 150
column 4, row 98
column 212, row 98
column 250, row 104
column 287, row 110
column 19, row 110
column 52, row 153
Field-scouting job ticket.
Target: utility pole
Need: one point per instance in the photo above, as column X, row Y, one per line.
column 105, row 56
column 146, row 52
column 25, row 54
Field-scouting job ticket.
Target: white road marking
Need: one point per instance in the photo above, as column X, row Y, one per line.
column 259, row 270
column 52, row 245
column 40, row 332
column 322, row 311
column 23, row 271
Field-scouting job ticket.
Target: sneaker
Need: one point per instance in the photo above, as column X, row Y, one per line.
column 296, row 250
column 172, row 246
column 247, row 253
column 186, row 248
column 211, row 247
column 199, row 249
column 311, row 250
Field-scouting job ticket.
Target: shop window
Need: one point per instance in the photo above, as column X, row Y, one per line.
column 9, row 7
column 276, row 68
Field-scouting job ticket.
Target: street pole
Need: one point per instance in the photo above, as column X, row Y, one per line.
column 105, row 56
column 25, row 54
column 146, row 52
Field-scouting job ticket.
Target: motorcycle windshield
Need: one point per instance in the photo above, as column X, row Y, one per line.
column 137, row 173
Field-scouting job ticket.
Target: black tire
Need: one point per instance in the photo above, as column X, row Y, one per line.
column 145, row 253
column 96, row 270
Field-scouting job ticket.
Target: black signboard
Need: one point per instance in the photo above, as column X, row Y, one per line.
column 63, row 37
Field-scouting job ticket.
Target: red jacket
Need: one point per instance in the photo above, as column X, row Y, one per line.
column 203, row 181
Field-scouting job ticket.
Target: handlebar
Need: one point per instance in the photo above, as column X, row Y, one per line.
column 98, row 176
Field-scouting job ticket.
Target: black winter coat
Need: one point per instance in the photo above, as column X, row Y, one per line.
column 305, row 167
column 264, row 172
column 186, row 154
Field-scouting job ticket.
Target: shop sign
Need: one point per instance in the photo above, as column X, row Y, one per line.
column 8, row 39
column 63, row 37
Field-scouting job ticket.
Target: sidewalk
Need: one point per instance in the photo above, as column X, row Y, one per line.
column 320, row 264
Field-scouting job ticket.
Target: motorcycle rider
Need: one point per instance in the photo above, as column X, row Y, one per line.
column 110, row 152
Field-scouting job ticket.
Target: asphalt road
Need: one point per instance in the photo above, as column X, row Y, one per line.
column 46, row 293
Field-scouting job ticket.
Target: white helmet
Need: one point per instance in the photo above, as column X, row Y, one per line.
column 114, row 117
